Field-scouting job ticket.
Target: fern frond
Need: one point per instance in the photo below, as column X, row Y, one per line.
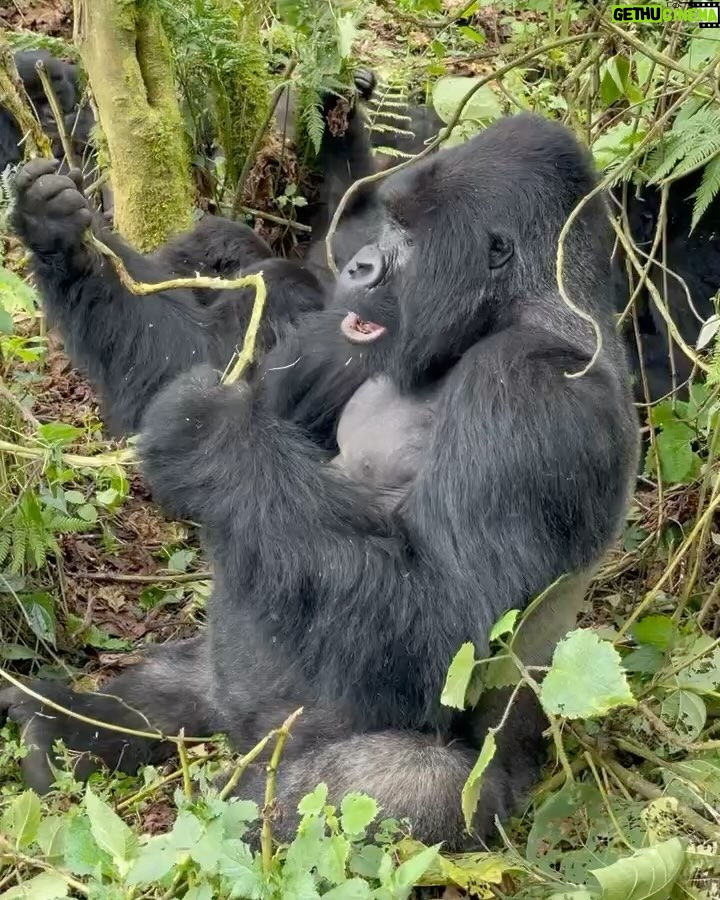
column 708, row 190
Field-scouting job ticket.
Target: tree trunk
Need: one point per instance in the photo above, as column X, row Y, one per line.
column 129, row 65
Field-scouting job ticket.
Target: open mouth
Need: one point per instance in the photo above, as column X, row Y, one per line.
column 360, row 331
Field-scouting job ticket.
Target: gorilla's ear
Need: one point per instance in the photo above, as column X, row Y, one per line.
column 502, row 249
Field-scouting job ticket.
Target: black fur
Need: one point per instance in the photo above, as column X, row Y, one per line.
column 78, row 120
column 131, row 346
column 370, row 506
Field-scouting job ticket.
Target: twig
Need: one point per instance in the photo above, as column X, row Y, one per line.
column 34, row 862
column 184, row 765
column 287, row 223
column 159, row 578
column 97, row 723
column 56, row 111
column 270, row 787
column 25, row 413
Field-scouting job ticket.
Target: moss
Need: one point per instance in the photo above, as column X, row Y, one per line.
column 128, row 61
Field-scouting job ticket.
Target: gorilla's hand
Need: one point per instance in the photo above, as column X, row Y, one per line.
column 50, row 212
column 365, row 82
column 41, row 725
column 187, row 432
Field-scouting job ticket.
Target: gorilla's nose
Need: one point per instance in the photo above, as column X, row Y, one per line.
column 364, row 270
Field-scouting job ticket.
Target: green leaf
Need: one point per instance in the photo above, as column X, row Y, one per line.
column 686, row 713
column 357, row 812
column 506, row 625
column 180, row 560
column 458, row 677
column 46, row 886
column 647, row 875
column 678, row 462
column 110, row 832
column 353, row 889
column 22, row 819
column 156, row 859
column 347, row 34
column 76, row 497
column 586, row 678
column 581, row 894
column 39, row 611
column 108, row 498
column 407, row 875
column 202, row 891
column 313, row 804
column 7, row 326
column 81, row 852
column 58, row 434
column 87, row 512
column 472, row 34
column 241, row 869
column 657, row 631
column 51, row 837
column 473, row 785
column 450, row 91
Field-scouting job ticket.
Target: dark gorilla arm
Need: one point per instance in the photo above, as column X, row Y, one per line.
column 128, row 345
column 308, row 549
column 131, row 345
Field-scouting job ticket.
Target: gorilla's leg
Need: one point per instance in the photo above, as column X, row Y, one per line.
column 171, row 689
column 409, row 774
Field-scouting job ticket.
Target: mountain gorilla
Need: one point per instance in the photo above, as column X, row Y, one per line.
column 695, row 258
column 131, row 346
column 78, row 122
column 409, row 464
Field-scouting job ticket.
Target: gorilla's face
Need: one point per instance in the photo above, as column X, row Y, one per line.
column 426, row 290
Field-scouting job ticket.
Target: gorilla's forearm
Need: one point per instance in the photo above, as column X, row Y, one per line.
column 128, row 345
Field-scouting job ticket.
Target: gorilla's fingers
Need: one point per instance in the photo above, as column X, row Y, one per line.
column 33, row 170
column 49, row 186
column 77, row 176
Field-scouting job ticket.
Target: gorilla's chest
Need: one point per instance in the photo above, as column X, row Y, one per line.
column 383, row 436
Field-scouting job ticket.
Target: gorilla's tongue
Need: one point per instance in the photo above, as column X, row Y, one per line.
column 359, row 331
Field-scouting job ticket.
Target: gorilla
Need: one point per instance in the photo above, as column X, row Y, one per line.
column 404, row 467
column 695, row 258
column 79, row 121
column 130, row 346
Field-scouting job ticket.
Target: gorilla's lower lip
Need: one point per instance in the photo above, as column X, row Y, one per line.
column 360, row 331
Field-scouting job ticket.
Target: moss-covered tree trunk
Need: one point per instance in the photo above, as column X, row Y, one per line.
column 128, row 62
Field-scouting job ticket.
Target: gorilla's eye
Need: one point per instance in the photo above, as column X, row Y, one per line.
column 502, row 250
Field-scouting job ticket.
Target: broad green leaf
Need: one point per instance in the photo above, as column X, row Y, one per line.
column 81, row 852
column 353, row 889
column 76, row 497
column 108, row 498
column 686, row 714
column 46, row 886
column 472, row 34
column 87, row 512
column 7, row 326
column 357, row 811
column 110, row 832
column 58, row 433
column 331, row 861
column 180, row 560
column 505, row 625
column 314, row 803
column 39, row 611
column 581, row 894
column 586, row 678
column 678, row 462
column 16, row 294
column 156, row 859
column 407, row 874
column 458, row 677
column 347, row 33
column 647, row 875
column 22, row 820
column 657, row 631
column 241, row 869
column 473, row 785
column 450, row 91
column 51, row 837
column 202, row 891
